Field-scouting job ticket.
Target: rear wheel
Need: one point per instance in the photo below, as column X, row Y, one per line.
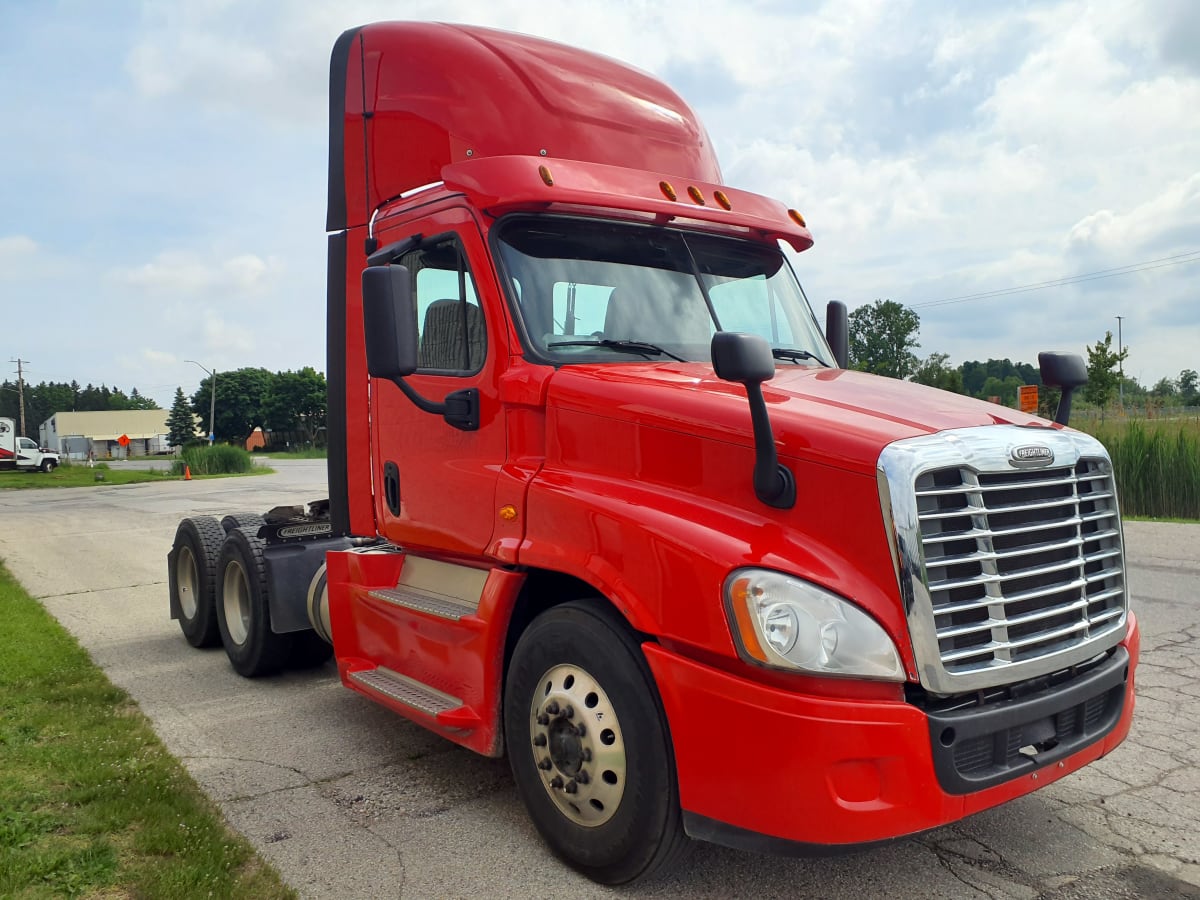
column 192, row 566
column 243, row 608
column 589, row 746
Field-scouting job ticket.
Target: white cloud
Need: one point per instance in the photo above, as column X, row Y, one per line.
column 174, row 274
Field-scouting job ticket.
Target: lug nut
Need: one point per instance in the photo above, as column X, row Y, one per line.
column 572, row 787
column 556, row 782
column 579, row 730
column 539, row 740
column 582, row 777
column 569, row 712
column 552, row 707
column 545, row 764
column 543, row 719
column 587, row 754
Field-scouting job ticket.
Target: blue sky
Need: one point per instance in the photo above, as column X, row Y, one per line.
column 164, row 166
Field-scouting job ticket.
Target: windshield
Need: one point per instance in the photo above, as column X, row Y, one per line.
column 592, row 291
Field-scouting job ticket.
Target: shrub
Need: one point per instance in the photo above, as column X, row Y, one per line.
column 219, row 459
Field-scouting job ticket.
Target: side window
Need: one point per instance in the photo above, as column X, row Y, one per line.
column 451, row 334
column 748, row 305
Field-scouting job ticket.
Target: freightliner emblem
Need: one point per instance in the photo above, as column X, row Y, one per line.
column 1031, row 455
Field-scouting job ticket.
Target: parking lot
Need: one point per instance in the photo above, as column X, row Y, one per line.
column 347, row 800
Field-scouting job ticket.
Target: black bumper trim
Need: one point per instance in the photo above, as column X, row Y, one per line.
column 974, row 749
column 702, row 828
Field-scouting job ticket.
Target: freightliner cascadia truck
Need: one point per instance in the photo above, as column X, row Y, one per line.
column 604, row 497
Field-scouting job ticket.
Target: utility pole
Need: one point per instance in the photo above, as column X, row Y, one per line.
column 1121, row 364
column 21, row 391
column 212, row 403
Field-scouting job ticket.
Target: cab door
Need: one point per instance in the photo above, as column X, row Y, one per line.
column 435, row 483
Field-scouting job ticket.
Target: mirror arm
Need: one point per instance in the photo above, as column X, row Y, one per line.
column 460, row 408
column 774, row 483
column 1063, row 414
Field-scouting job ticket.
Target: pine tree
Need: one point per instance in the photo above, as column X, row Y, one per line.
column 181, row 423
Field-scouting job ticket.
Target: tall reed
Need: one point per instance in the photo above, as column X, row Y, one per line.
column 219, row 459
column 1157, row 466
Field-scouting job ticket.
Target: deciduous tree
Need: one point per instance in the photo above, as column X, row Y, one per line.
column 883, row 336
column 1103, row 376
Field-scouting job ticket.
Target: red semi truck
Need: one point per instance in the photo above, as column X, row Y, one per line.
column 604, row 498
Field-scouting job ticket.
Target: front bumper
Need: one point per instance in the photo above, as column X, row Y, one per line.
column 764, row 768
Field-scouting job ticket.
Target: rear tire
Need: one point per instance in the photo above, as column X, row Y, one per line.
column 250, row 521
column 244, row 609
column 192, row 576
column 589, row 747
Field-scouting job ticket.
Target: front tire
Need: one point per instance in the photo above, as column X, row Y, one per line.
column 192, row 576
column 48, row 465
column 589, row 747
column 243, row 608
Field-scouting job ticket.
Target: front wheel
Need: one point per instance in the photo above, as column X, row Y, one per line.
column 48, row 465
column 589, row 746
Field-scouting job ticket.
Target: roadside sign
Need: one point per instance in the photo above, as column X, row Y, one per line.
column 123, row 440
column 1027, row 395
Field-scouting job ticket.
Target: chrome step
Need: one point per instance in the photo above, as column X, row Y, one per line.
column 440, row 605
column 407, row 691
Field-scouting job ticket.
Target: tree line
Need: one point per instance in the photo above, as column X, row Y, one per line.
column 49, row 397
column 249, row 398
column 884, row 338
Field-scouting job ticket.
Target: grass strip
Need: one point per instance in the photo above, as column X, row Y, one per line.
column 91, row 803
column 100, row 476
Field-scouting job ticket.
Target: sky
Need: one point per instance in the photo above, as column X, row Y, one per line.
column 163, row 167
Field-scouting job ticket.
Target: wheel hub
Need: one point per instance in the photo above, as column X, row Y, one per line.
column 578, row 746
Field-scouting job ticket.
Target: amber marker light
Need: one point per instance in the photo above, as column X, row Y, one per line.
column 544, row 171
column 508, row 513
column 723, row 200
column 694, row 193
column 668, row 191
column 741, row 612
column 797, row 218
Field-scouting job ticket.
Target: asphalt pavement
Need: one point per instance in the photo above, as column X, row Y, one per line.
column 348, row 800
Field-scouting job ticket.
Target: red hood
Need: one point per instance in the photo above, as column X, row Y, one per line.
column 829, row 416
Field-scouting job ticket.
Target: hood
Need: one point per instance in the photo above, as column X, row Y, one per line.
column 829, row 416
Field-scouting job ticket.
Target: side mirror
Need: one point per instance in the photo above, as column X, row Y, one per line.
column 1064, row 370
column 747, row 360
column 837, row 332
column 389, row 322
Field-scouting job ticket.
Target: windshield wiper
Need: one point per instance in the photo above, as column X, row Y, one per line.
column 640, row 347
column 796, row 355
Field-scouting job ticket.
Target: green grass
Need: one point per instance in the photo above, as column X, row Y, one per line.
column 1156, row 463
column 78, row 476
column 310, row 453
column 101, row 476
column 91, row 803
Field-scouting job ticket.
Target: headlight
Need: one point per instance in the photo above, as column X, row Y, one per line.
column 791, row 624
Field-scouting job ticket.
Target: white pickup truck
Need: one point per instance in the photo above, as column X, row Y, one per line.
column 22, row 452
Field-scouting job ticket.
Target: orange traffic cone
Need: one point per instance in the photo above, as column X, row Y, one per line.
column 187, row 473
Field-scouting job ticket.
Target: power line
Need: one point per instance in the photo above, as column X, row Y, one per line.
column 1163, row 262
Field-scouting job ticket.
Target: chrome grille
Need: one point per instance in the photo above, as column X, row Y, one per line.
column 1008, row 572
column 1019, row 564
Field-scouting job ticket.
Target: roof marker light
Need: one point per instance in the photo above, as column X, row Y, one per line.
column 668, row 191
column 546, row 176
column 722, row 199
column 797, row 218
column 694, row 193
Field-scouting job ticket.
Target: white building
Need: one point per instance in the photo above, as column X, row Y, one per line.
column 73, row 434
